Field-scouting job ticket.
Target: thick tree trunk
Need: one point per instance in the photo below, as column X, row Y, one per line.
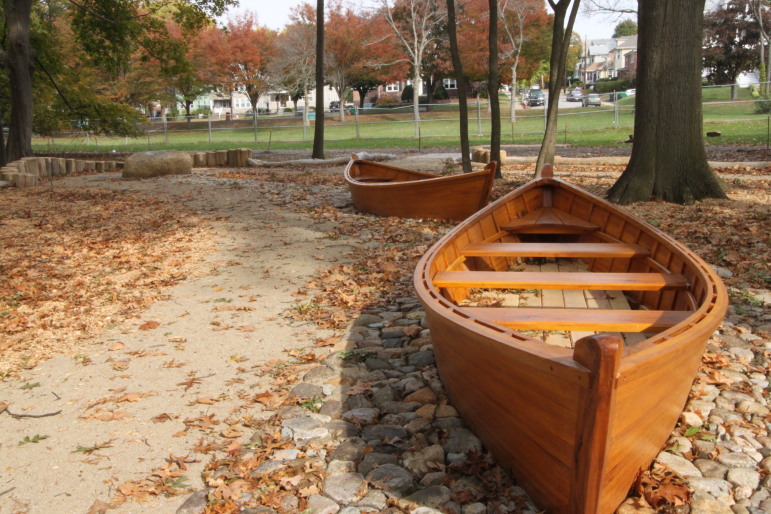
column 561, row 37
column 318, row 132
column 668, row 160
column 19, row 63
column 492, row 88
column 460, row 81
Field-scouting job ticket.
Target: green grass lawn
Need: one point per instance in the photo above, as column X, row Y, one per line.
column 608, row 125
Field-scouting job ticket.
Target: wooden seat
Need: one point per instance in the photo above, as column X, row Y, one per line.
column 549, row 220
column 557, row 280
column 596, row 320
column 611, row 250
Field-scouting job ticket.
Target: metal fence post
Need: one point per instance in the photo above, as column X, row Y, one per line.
column 356, row 119
column 208, row 117
column 165, row 129
column 615, row 109
column 479, row 118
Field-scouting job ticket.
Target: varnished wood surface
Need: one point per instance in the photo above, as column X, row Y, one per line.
column 596, row 320
column 608, row 250
column 614, row 412
column 578, row 280
column 391, row 191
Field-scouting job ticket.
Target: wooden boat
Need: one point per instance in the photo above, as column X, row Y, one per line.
column 575, row 417
column 390, row 191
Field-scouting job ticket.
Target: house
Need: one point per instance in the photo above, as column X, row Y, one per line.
column 219, row 104
column 608, row 59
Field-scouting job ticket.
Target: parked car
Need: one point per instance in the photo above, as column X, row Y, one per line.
column 334, row 105
column 535, row 97
column 592, row 99
column 575, row 96
column 630, row 92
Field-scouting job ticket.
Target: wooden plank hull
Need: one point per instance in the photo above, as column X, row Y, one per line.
column 390, row 191
column 574, row 425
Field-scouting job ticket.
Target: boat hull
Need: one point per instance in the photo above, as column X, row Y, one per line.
column 574, row 425
column 390, row 191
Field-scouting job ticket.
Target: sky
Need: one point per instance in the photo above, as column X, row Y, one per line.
column 274, row 14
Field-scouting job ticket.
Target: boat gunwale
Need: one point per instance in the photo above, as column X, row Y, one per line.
column 640, row 353
column 422, row 177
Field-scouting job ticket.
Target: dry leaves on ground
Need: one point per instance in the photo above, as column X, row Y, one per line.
column 78, row 261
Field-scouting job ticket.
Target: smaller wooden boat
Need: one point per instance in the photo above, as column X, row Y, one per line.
column 517, row 298
column 390, row 191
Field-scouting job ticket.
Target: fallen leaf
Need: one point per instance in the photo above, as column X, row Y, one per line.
column 149, row 325
column 115, row 347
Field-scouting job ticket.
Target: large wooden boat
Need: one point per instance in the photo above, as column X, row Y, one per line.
column 517, row 299
column 390, row 191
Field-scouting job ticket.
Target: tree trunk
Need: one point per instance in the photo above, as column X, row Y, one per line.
column 668, row 160
column 513, row 106
column 318, row 132
column 19, row 63
column 460, row 81
column 561, row 37
column 492, row 88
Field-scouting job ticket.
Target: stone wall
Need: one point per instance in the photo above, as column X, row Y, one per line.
column 27, row 171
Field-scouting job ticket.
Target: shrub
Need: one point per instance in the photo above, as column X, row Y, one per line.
column 407, row 93
column 608, row 86
column 387, row 101
column 440, row 93
column 763, row 106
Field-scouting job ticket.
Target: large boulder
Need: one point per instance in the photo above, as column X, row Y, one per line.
column 154, row 164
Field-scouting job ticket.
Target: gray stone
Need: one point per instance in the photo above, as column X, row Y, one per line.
column 434, row 496
column 708, row 505
column 394, row 407
column 345, row 488
column 422, row 461
column 743, row 477
column 679, row 465
column 383, row 394
column 710, row 468
column 339, row 467
column 373, row 460
column 712, row 486
column 367, row 319
column 391, row 478
column 385, row 433
column 374, row 363
column 318, row 504
column 352, row 449
column 157, row 163
column 474, row 508
column 737, row 460
column 421, row 359
column 374, row 500
column 319, row 375
column 305, row 390
column 461, row 440
column 301, row 429
column 435, row 478
column 195, row 503
column 362, row 416
column 339, row 429
column 331, row 408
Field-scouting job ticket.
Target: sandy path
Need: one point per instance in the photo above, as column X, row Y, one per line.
column 127, row 391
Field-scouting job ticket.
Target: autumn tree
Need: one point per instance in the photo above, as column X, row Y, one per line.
column 295, row 64
column 731, row 38
column 668, row 160
column 107, row 31
column 518, row 19
column 416, row 24
column 345, row 54
column 564, row 10
column 761, row 14
column 625, row 28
